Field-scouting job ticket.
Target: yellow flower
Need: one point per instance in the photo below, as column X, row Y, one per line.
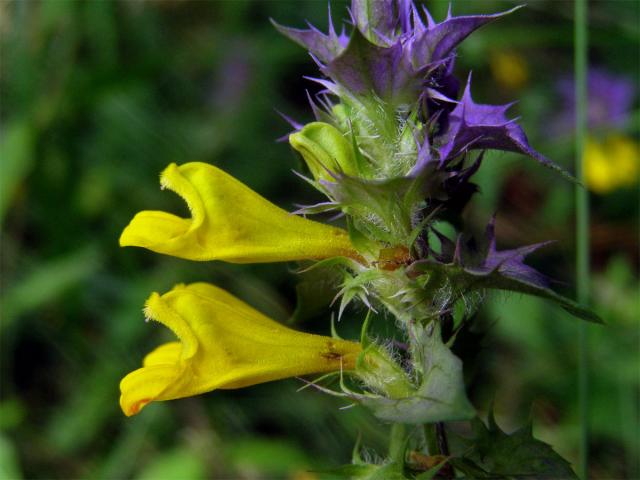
column 223, row 343
column 612, row 163
column 509, row 69
column 230, row 222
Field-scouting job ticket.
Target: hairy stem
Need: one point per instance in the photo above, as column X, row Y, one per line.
column 397, row 442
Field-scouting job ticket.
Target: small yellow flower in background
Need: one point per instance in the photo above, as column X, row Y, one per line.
column 611, row 163
column 230, row 222
column 224, row 343
column 510, row 70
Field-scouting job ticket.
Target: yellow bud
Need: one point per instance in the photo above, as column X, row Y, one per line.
column 325, row 150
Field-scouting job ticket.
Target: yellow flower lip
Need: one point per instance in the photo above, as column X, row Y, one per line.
column 164, row 365
column 223, row 343
column 166, row 228
column 230, row 222
column 161, row 230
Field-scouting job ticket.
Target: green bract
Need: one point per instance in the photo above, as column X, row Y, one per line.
column 436, row 392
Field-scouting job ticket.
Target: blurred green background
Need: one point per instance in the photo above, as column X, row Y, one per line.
column 97, row 97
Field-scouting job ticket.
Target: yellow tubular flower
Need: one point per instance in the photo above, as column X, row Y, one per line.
column 230, row 222
column 611, row 163
column 509, row 69
column 223, row 343
column 598, row 169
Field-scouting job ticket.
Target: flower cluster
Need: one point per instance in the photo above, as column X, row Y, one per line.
column 394, row 147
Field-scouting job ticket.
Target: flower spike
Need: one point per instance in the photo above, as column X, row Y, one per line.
column 224, row 343
column 230, row 222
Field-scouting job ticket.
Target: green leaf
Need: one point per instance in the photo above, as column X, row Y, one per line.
column 467, row 280
column 178, row 464
column 272, row 458
column 9, row 460
column 347, row 472
column 389, row 202
column 497, row 281
column 365, row 341
column 49, row 280
column 440, row 397
column 16, row 152
column 432, row 472
column 494, row 454
column 356, row 458
column 360, row 241
column 389, row 471
column 12, row 413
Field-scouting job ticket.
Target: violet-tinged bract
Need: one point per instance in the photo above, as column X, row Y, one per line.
column 394, row 148
column 410, row 144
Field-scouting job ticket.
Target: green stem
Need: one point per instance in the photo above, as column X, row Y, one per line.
column 441, row 435
column 436, row 437
column 582, row 224
column 437, row 444
column 397, row 442
column 431, row 438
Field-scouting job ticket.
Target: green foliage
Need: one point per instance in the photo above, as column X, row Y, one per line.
column 9, row 466
column 270, row 457
column 494, row 454
column 466, row 280
column 390, row 471
column 545, row 365
column 175, row 465
column 381, row 210
column 16, row 151
column 99, row 95
column 439, row 394
column 48, row 281
column 431, row 473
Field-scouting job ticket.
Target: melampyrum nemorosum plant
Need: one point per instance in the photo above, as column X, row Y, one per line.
column 396, row 141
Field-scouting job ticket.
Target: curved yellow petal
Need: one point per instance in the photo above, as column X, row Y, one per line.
column 230, row 222
column 145, row 385
column 224, row 343
column 169, row 353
